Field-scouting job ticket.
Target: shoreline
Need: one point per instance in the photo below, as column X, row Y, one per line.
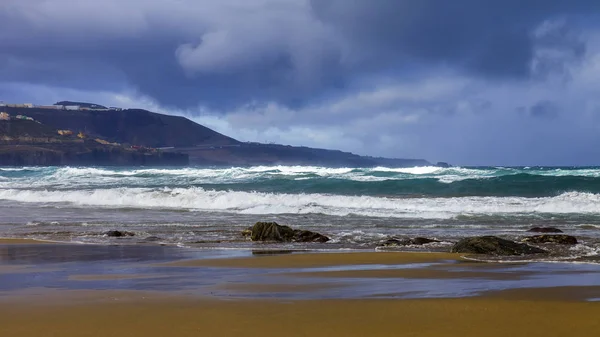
column 162, row 291
column 274, row 249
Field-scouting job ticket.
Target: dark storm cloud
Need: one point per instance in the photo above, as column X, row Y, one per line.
column 470, row 82
column 557, row 46
column 181, row 53
column 490, row 38
column 228, row 53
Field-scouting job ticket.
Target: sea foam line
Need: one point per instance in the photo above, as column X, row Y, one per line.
column 195, row 198
column 67, row 177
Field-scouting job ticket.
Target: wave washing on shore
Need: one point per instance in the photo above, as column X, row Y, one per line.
column 355, row 206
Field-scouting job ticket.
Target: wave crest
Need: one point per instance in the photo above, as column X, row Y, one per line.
column 199, row 199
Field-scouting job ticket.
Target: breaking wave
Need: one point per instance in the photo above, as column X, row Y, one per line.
column 241, row 202
column 378, row 181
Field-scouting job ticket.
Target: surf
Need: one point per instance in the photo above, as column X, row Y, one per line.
column 241, row 202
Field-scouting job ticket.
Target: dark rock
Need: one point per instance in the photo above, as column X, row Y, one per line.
column 308, row 236
column 118, row 234
column 556, row 238
column 392, row 243
column 407, row 242
column 271, row 231
column 422, row 241
column 443, row 164
column 545, row 230
column 152, row 238
column 492, row 245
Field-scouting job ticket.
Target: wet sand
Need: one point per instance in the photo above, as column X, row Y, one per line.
column 13, row 269
column 415, row 273
column 23, row 242
column 108, row 277
column 249, row 296
column 313, row 260
column 278, row 288
column 131, row 314
column 572, row 294
column 23, row 269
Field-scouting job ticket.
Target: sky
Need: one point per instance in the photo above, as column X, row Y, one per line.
column 470, row 82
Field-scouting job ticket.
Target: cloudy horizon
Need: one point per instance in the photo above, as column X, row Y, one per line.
column 470, row 82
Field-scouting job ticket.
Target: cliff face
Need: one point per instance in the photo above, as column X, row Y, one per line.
column 28, row 143
column 132, row 126
column 204, row 146
column 40, row 156
column 29, row 156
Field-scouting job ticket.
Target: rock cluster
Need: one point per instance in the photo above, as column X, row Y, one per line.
column 118, row 234
column 556, row 238
column 271, row 231
column 492, row 245
column 545, row 230
column 418, row 241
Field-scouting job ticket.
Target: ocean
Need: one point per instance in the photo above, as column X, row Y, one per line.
column 357, row 207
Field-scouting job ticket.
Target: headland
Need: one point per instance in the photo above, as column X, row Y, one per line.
column 85, row 134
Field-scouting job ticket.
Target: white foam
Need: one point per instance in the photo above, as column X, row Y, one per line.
column 20, row 169
column 73, row 176
column 410, row 170
column 357, row 236
column 585, row 250
column 68, row 177
column 273, row 203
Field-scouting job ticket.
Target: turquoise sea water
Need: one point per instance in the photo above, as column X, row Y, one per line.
column 357, row 207
column 380, row 181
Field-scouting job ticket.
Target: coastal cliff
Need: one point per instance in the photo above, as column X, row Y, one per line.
column 29, row 143
column 23, row 155
column 170, row 138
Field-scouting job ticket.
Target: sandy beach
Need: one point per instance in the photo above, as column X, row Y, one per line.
column 148, row 317
column 175, row 294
